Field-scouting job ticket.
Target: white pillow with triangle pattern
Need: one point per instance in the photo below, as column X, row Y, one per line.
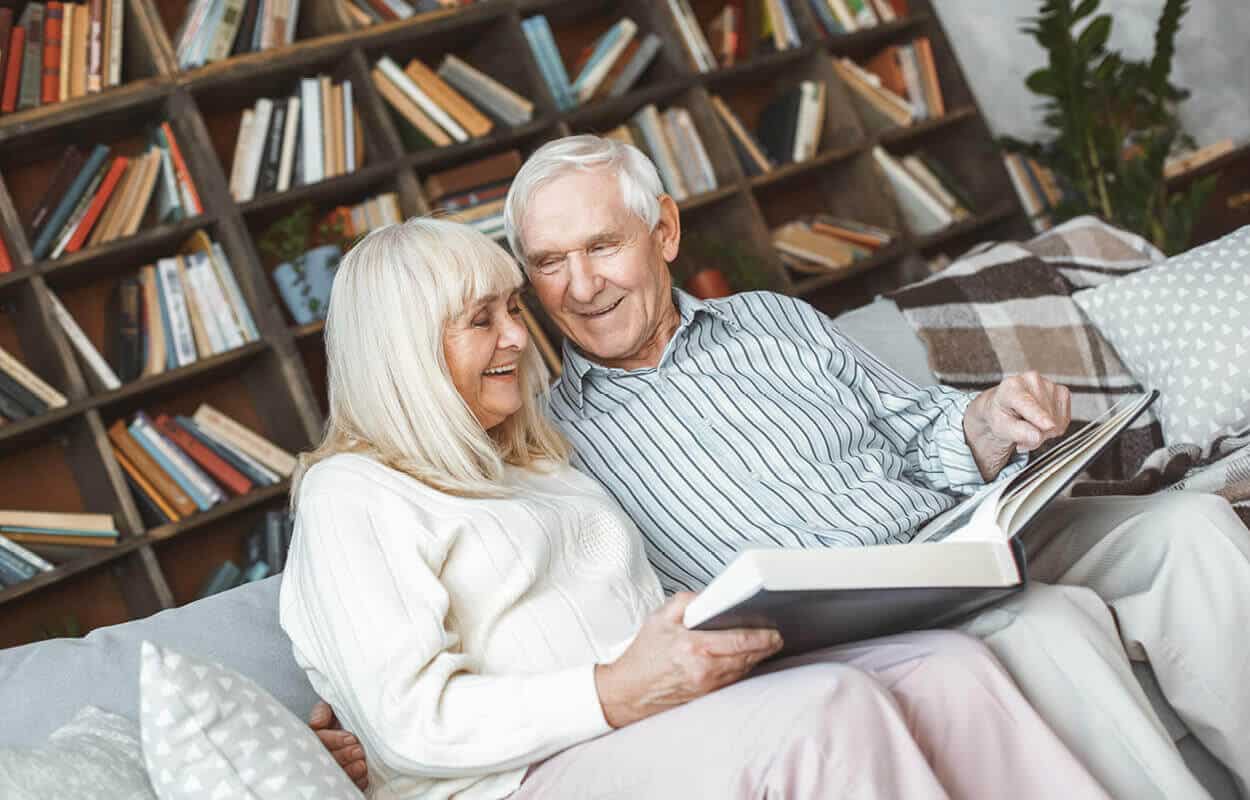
column 1183, row 328
column 210, row 733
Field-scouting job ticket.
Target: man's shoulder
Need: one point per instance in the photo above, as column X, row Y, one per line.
column 761, row 310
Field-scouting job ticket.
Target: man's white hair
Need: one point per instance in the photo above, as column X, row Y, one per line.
column 640, row 183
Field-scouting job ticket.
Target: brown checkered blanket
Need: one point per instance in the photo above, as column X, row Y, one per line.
column 1005, row 308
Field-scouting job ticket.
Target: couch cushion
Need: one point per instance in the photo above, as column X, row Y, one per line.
column 1004, row 309
column 881, row 329
column 43, row 685
column 1183, row 328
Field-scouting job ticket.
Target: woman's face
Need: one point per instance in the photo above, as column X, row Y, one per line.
column 483, row 349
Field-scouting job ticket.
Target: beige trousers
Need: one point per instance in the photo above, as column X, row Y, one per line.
column 921, row 715
column 1175, row 568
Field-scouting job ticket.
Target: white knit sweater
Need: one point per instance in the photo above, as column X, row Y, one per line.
column 457, row 637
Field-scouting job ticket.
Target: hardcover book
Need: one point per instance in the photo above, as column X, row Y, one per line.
column 961, row 561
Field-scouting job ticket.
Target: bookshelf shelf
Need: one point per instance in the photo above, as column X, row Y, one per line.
column 62, row 460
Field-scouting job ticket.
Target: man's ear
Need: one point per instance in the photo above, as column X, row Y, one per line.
column 668, row 229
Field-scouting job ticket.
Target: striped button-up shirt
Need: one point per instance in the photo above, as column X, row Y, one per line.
column 763, row 426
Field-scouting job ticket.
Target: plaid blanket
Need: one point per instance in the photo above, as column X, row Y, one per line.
column 1005, row 308
column 1223, row 469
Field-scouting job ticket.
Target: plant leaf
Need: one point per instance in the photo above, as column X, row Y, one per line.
column 1043, row 82
column 1094, row 38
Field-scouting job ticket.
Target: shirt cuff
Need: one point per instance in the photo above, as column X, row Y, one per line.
column 963, row 476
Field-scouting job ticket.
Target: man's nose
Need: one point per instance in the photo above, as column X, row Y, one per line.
column 584, row 284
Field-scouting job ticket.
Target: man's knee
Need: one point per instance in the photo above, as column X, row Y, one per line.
column 1195, row 523
column 1040, row 609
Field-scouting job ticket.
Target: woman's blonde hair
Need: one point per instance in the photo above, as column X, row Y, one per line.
column 391, row 395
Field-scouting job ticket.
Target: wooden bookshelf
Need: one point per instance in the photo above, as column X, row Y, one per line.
column 62, row 460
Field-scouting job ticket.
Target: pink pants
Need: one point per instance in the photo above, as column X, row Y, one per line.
column 921, row 715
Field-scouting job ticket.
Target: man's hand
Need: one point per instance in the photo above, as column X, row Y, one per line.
column 341, row 744
column 1017, row 415
column 667, row 664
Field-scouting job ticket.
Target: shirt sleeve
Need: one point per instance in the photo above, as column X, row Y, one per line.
column 365, row 609
column 925, row 423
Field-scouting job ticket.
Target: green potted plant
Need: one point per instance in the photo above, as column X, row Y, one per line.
column 302, row 256
column 1114, row 123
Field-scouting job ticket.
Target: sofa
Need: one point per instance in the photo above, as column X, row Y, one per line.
column 42, row 685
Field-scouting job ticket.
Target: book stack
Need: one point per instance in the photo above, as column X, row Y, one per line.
column 215, row 29
column 264, row 554
column 754, row 160
column 57, row 51
column 169, row 315
column 310, row 136
column 304, row 282
column 474, row 193
column 18, row 529
column 840, row 17
column 362, row 13
column 177, row 466
column 98, row 196
column 899, row 85
column 788, row 130
column 23, row 394
column 736, row 32
column 929, row 196
column 432, row 113
column 825, row 244
column 1037, row 188
column 608, row 67
column 673, row 142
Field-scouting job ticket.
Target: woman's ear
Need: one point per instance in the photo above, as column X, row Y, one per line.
column 668, row 229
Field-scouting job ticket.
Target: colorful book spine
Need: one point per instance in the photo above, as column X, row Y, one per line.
column 98, row 202
column 53, row 17
column 176, row 465
column 209, row 461
column 58, row 218
column 256, row 472
column 13, row 69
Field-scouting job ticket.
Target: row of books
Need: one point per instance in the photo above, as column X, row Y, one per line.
column 826, row 244
column 899, row 85
column 305, row 281
column 310, row 136
column 608, row 67
column 675, row 147
column 178, row 466
column 57, row 51
column 474, row 193
column 929, row 196
column 362, row 13
column 1037, row 188
column 455, row 104
column 24, row 394
column 22, row 532
column 100, row 196
column 264, row 553
column 789, row 128
column 174, row 312
column 839, row 17
column 735, row 33
column 215, row 29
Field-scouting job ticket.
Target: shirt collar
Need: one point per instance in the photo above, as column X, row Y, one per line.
column 577, row 366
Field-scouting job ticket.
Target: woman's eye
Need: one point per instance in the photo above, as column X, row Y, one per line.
column 481, row 322
column 515, row 311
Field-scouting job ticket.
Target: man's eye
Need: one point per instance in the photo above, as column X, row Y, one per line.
column 603, row 248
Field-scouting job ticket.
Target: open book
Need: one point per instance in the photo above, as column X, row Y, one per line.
column 962, row 560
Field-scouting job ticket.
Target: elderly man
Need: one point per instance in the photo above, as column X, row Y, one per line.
column 752, row 422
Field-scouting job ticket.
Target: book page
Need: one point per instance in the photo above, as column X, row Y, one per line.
column 974, row 518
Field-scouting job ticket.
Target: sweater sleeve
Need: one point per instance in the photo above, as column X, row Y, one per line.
column 364, row 607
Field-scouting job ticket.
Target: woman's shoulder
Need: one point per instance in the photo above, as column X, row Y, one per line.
column 353, row 476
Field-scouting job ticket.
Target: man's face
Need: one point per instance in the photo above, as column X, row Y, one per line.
column 599, row 273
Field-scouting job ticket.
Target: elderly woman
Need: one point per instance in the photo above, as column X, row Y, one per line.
column 484, row 617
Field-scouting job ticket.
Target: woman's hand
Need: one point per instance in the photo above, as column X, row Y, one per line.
column 667, row 665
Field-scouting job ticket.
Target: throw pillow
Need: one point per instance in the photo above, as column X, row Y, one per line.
column 1183, row 327
column 209, row 732
column 95, row 756
column 1007, row 308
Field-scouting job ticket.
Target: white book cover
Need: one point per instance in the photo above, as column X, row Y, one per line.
column 168, row 195
column 223, row 36
column 845, row 18
column 225, row 276
column 26, row 555
column 484, row 89
column 96, row 364
column 255, row 149
column 67, row 44
column 36, row 385
column 594, row 79
column 191, row 27
column 401, row 8
column 245, row 439
column 193, row 288
column 811, row 120
column 922, row 212
column 204, row 36
column 270, row 476
column 695, row 165
column 918, row 170
column 175, row 303
column 648, row 119
column 292, row 20
column 423, row 101
column 264, row 22
column 349, row 128
column 209, row 290
column 241, row 143
column 911, row 77
column 310, row 129
column 691, row 38
column 117, row 21
column 287, row 162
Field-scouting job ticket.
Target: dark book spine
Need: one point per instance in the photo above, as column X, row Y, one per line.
column 779, row 125
column 243, row 36
column 10, row 408
column 148, row 510
column 267, row 181
column 19, row 393
column 14, row 569
column 6, row 27
column 71, row 163
column 129, row 334
column 66, row 205
column 275, row 556
column 32, row 61
column 254, row 546
column 297, row 164
column 188, row 424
